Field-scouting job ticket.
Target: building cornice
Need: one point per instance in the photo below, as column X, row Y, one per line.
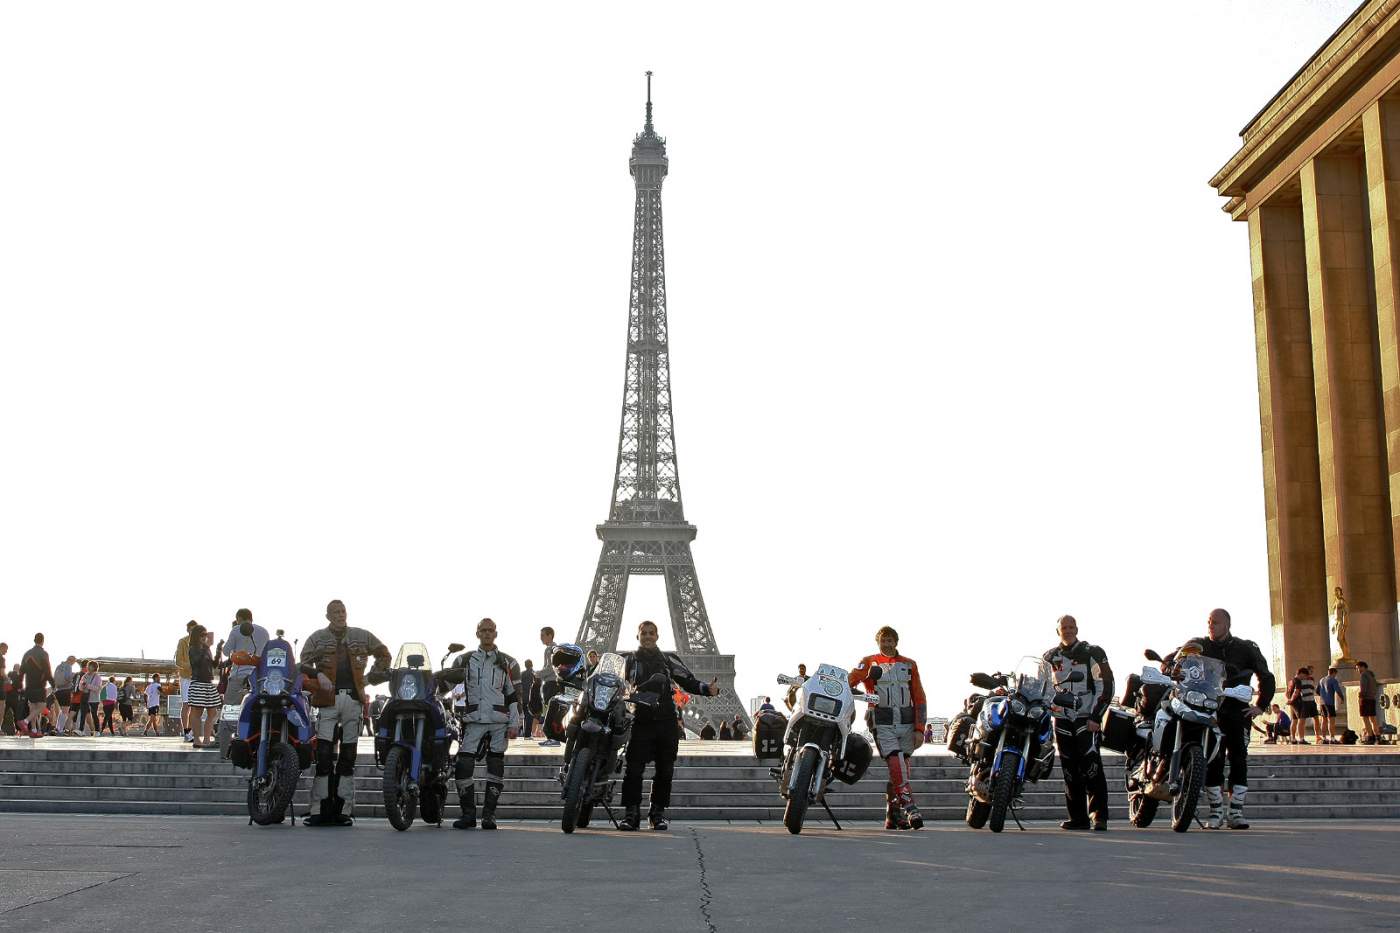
column 1354, row 51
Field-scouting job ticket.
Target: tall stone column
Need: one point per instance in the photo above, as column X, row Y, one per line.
column 1381, row 131
column 1288, row 422
column 1351, row 453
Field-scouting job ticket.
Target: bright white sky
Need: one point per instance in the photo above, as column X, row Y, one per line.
column 328, row 300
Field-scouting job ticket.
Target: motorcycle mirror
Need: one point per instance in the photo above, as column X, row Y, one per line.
column 876, row 673
column 1075, row 677
column 1151, row 655
column 454, row 647
column 985, row 681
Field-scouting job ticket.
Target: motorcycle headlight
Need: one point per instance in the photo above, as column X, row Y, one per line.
column 603, row 696
column 1018, row 707
column 274, row 683
column 1195, row 698
column 1037, row 712
column 408, row 689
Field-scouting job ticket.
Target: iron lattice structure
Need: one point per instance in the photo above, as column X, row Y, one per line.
column 646, row 531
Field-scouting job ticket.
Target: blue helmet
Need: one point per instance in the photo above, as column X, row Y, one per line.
column 568, row 660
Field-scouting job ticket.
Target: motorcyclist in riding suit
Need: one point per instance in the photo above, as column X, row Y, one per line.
column 655, row 732
column 1076, row 730
column 897, row 722
column 491, row 685
column 1243, row 660
column 335, row 657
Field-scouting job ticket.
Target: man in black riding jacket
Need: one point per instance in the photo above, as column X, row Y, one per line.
column 1243, row 660
column 655, row 736
column 1076, row 730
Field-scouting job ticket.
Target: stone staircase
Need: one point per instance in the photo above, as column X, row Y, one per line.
column 732, row 785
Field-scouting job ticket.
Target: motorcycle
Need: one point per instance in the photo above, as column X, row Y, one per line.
column 1011, row 742
column 275, row 735
column 1173, row 738
column 413, row 741
column 596, row 730
column 819, row 742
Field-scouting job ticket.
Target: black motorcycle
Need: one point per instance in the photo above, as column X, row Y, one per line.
column 1009, row 741
column 596, row 730
column 413, row 741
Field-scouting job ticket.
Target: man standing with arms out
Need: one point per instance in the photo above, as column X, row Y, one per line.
column 549, row 679
column 1328, row 690
column 1243, row 661
column 335, row 656
column 1367, row 693
column 182, row 666
column 490, row 681
column 897, row 722
column 655, row 733
column 1076, row 730
column 38, row 677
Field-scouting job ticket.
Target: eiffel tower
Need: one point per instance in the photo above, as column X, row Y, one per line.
column 646, row 531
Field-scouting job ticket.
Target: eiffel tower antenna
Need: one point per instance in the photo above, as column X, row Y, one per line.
column 646, row 531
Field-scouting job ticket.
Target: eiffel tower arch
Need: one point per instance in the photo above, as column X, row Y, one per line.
column 646, row 531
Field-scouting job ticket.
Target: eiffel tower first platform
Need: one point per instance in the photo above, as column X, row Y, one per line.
column 646, row 531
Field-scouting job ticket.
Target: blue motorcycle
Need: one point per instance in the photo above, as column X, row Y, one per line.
column 413, row 741
column 275, row 735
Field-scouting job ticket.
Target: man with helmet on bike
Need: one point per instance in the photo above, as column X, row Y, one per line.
column 335, row 656
column 897, row 722
column 1243, row 660
column 1076, row 729
column 491, row 689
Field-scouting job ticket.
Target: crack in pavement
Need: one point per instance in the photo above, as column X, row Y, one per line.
column 706, row 895
column 86, row 887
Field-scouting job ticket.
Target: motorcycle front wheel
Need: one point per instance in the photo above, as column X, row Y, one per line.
column 268, row 804
column 1193, row 778
column 801, row 794
column 1002, row 785
column 575, row 788
column 399, row 805
column 977, row 812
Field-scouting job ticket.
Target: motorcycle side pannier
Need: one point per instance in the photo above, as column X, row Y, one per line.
column 1117, row 732
column 554, row 714
column 768, row 732
column 851, row 767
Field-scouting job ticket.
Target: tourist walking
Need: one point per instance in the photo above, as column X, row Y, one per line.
column 64, row 675
column 1302, row 699
column 528, row 682
column 126, row 704
column 90, row 686
column 1368, row 691
column 38, row 677
column 182, row 667
column 109, row 706
column 1329, row 690
column 549, row 678
column 154, row 720
column 203, row 697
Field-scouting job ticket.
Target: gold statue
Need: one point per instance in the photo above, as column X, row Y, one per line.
column 1339, row 626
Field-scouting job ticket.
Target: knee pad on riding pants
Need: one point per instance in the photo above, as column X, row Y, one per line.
column 466, row 766
column 345, row 765
column 496, row 768
column 325, row 758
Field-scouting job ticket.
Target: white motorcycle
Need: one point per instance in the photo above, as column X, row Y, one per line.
column 819, row 742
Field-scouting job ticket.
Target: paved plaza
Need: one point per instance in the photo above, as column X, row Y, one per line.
column 215, row 874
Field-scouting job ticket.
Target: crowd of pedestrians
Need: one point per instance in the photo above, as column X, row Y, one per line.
column 71, row 697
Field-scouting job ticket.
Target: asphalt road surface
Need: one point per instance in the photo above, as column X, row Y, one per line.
column 197, row 874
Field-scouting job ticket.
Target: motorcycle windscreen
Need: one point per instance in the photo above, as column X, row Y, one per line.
column 413, row 654
column 613, row 664
column 1033, row 679
column 1202, row 675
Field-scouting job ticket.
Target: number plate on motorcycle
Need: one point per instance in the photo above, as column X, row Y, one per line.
column 230, row 713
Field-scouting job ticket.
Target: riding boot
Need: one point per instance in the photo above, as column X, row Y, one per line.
column 468, row 820
column 488, row 806
column 657, row 817
column 330, row 814
column 632, row 819
column 913, row 818
column 1234, row 819
column 891, row 808
column 1216, row 820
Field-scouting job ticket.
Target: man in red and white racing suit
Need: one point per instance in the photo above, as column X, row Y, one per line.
column 897, row 722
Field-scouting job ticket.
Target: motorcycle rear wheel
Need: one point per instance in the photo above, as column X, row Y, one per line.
column 434, row 803
column 268, row 805
column 577, row 785
column 399, row 805
column 1142, row 809
column 1002, row 785
column 801, row 795
column 977, row 812
column 1193, row 778
column 585, row 813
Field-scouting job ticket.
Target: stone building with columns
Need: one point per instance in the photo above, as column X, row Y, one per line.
column 1317, row 179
